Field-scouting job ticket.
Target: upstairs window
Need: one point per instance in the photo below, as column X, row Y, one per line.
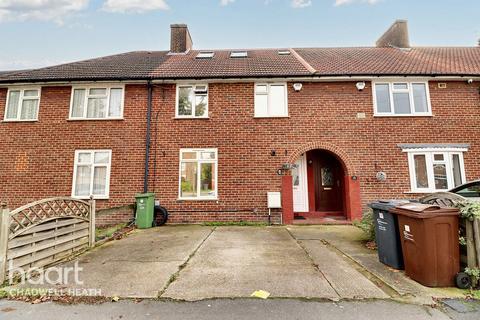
column 97, row 102
column 192, row 101
column 22, row 104
column 271, row 100
column 401, row 99
column 238, row 54
column 435, row 170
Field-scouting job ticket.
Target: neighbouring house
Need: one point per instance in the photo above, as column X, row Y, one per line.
column 212, row 131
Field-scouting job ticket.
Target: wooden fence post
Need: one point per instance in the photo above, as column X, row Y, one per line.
column 476, row 236
column 471, row 252
column 91, row 238
column 4, row 230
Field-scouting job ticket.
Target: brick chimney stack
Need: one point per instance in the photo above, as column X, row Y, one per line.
column 180, row 39
column 395, row 36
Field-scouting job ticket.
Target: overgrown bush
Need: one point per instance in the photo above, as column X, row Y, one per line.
column 367, row 225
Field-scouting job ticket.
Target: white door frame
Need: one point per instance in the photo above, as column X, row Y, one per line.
column 300, row 192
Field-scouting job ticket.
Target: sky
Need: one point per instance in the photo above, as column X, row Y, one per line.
column 38, row 33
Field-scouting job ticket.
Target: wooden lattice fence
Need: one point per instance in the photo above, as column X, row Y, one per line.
column 44, row 232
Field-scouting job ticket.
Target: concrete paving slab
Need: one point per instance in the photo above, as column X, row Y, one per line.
column 139, row 265
column 349, row 240
column 235, row 261
column 343, row 277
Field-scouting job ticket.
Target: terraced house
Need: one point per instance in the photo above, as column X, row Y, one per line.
column 211, row 132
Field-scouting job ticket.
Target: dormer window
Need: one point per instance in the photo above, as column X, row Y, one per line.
column 192, row 101
column 238, row 54
column 205, row 55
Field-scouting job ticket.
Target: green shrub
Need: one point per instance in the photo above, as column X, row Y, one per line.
column 367, row 225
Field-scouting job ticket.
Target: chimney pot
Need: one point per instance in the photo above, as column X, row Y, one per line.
column 395, row 36
column 180, row 39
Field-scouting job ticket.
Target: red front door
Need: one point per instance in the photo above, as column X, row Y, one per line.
column 328, row 177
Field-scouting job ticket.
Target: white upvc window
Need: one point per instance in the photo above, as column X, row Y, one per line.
column 435, row 170
column 22, row 104
column 97, row 102
column 271, row 100
column 198, row 174
column 401, row 98
column 192, row 101
column 91, row 174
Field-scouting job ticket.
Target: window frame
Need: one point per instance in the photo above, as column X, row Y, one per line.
column 284, row 84
column 20, row 103
column 87, row 88
column 92, row 164
column 410, row 84
column 194, row 106
column 430, row 161
column 199, row 162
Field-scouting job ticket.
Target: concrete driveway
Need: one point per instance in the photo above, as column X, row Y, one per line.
column 198, row 262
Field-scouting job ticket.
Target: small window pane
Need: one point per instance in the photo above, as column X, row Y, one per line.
column 400, row 86
column 102, row 157
column 440, row 175
column 277, row 101
column 456, row 170
column 96, row 108
column 188, row 187
column 98, row 92
column 99, row 180
column 261, row 88
column 295, row 177
column 115, row 108
column 82, row 181
column 207, row 180
column 29, row 109
column 12, row 108
column 421, row 171
column 438, row 157
column 420, row 97
column 401, row 103
column 30, row 93
column 78, row 103
column 189, row 155
column 185, row 101
column 207, row 155
column 382, row 92
column 200, row 105
column 85, row 157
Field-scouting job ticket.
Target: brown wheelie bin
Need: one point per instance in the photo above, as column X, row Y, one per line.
column 429, row 237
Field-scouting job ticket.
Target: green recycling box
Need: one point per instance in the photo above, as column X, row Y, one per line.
column 145, row 206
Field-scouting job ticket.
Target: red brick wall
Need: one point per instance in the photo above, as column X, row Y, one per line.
column 38, row 159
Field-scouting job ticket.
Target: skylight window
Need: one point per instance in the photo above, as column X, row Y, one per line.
column 238, row 54
column 205, row 55
column 283, row 52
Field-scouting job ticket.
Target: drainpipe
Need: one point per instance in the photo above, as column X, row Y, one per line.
column 147, row 138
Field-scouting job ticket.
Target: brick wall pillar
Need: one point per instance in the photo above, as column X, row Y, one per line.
column 353, row 204
column 287, row 199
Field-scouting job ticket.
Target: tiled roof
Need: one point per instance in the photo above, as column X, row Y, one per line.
column 263, row 63
column 392, row 61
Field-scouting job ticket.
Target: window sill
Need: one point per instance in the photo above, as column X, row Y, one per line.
column 424, row 192
column 402, row 115
column 190, row 118
column 32, row 120
column 196, row 199
column 268, row 117
column 95, row 119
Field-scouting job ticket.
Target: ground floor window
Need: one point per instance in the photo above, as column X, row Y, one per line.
column 91, row 174
column 435, row 170
column 198, row 174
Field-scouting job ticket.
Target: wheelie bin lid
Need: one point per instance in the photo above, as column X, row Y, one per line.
column 386, row 205
column 145, row 195
column 424, row 211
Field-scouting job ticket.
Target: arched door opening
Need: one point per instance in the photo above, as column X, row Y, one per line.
column 318, row 182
